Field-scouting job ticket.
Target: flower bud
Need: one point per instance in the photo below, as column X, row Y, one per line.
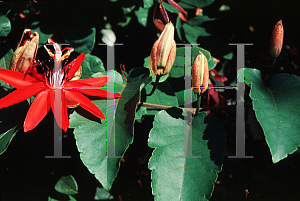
column 25, row 53
column 163, row 52
column 276, row 40
column 200, row 74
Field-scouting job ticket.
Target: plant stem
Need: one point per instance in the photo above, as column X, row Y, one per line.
column 155, row 85
column 273, row 66
column 164, row 107
column 198, row 102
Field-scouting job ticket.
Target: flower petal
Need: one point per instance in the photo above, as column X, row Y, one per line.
column 37, row 111
column 16, row 79
column 22, row 94
column 71, row 104
column 38, row 75
column 91, row 90
column 85, row 103
column 74, row 65
column 96, row 81
column 98, row 93
column 62, row 118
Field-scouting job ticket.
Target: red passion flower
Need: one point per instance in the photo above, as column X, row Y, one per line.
column 50, row 84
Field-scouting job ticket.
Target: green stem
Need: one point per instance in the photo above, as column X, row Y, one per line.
column 198, row 103
column 273, row 66
column 155, row 85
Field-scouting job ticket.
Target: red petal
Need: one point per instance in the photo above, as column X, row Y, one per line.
column 176, row 5
column 16, row 79
column 37, row 111
column 74, row 65
column 220, row 78
column 22, row 94
column 90, row 90
column 71, row 104
column 99, row 93
column 96, row 81
column 62, row 118
column 37, row 75
column 217, row 76
column 85, row 103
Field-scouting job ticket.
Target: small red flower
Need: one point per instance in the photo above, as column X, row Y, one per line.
column 46, row 86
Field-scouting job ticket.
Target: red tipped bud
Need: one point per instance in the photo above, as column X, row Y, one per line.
column 200, row 74
column 25, row 53
column 276, row 40
column 163, row 52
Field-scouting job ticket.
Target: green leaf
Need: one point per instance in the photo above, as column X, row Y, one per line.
column 80, row 33
column 91, row 65
column 193, row 32
column 142, row 15
column 91, row 136
column 5, row 26
column 199, row 20
column 185, row 178
column 67, row 185
column 148, row 3
column 127, row 10
column 190, row 33
column 195, row 3
column 178, row 27
column 212, row 63
column 140, row 112
column 6, row 52
column 163, row 95
column 102, row 194
column 170, row 8
column 6, row 138
column 70, row 199
column 123, row 24
column 276, row 109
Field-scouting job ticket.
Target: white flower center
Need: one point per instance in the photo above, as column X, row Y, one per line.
column 57, row 79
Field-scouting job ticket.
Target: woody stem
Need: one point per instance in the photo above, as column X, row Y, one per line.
column 164, row 107
column 155, row 85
